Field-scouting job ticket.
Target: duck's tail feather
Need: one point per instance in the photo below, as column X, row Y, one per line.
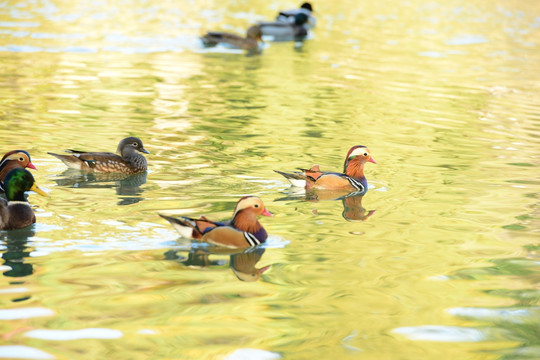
column 296, row 178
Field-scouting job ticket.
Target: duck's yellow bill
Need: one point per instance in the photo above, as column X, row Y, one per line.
column 36, row 189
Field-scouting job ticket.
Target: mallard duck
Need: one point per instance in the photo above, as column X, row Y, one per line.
column 250, row 42
column 12, row 160
column 243, row 230
column 284, row 30
column 352, row 177
column 289, row 15
column 128, row 162
column 15, row 212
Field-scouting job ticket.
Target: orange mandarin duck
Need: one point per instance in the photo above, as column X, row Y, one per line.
column 250, row 42
column 242, row 231
column 128, row 162
column 352, row 178
column 13, row 160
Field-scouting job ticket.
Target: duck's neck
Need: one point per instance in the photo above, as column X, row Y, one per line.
column 132, row 156
column 355, row 169
column 14, row 195
column 247, row 221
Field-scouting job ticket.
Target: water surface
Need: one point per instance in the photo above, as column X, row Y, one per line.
column 438, row 260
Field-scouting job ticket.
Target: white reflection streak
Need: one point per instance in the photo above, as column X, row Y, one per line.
column 441, row 333
column 252, row 354
column 23, row 352
column 63, row 335
column 24, row 313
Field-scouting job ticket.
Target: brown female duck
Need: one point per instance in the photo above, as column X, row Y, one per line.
column 352, row 177
column 16, row 213
column 250, row 42
column 128, row 162
column 243, row 230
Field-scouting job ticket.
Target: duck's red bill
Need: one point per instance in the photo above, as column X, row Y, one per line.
column 266, row 213
column 31, row 166
column 371, row 160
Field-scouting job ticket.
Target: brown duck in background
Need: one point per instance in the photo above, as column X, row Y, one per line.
column 250, row 42
column 243, row 230
column 13, row 160
column 352, row 178
column 130, row 161
column 15, row 212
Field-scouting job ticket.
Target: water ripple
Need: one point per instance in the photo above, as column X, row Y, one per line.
column 63, row 335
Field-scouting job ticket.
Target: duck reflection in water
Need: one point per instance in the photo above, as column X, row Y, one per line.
column 242, row 263
column 353, row 210
column 17, row 251
column 128, row 187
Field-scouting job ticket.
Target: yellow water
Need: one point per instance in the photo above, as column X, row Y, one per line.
column 438, row 260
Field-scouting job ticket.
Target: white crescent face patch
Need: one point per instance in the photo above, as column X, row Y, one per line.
column 359, row 152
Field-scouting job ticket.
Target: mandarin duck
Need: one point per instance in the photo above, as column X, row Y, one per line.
column 128, row 162
column 283, row 30
column 242, row 231
column 250, row 42
column 12, row 160
column 352, row 178
column 16, row 213
column 305, row 9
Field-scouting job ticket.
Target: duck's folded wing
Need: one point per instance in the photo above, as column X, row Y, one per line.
column 230, row 237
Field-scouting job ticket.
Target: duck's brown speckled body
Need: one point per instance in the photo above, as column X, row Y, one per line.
column 130, row 161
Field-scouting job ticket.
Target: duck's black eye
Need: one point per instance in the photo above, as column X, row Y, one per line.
column 21, row 159
column 256, row 205
column 365, row 154
column 135, row 144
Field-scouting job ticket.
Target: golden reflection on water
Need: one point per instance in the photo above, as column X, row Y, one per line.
column 437, row 259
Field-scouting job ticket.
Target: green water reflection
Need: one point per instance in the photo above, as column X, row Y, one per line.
column 439, row 259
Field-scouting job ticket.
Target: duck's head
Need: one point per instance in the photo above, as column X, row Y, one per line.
column 252, row 205
column 307, row 6
column 18, row 181
column 130, row 144
column 250, row 276
column 21, row 157
column 358, row 153
column 254, row 32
